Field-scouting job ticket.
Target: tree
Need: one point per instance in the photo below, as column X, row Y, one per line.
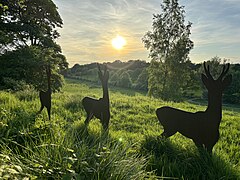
column 28, row 65
column 142, row 81
column 169, row 45
column 232, row 94
column 125, row 80
column 27, row 36
column 29, row 22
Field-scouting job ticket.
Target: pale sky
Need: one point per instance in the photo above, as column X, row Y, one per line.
column 90, row 25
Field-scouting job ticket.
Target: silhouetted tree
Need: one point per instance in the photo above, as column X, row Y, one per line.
column 28, row 65
column 29, row 22
column 169, row 45
column 27, row 41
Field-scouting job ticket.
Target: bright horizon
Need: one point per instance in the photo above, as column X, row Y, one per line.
column 90, row 27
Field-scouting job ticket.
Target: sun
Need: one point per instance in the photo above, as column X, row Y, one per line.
column 118, row 42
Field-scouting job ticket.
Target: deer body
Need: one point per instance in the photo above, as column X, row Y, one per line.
column 192, row 125
column 99, row 107
column 45, row 96
column 202, row 126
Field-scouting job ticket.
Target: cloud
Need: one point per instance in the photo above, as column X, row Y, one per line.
column 90, row 25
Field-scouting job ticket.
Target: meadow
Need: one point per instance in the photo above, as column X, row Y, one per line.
column 32, row 147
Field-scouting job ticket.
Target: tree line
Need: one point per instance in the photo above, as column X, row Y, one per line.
column 28, row 33
column 131, row 74
column 134, row 74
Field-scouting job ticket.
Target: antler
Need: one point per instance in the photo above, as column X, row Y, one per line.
column 98, row 65
column 99, row 71
column 207, row 71
column 103, row 75
column 224, row 72
column 105, row 70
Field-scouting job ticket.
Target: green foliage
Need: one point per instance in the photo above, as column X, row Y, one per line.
column 33, row 147
column 14, row 85
column 125, row 80
column 137, row 73
column 232, row 93
column 28, row 66
column 62, row 148
column 29, row 21
column 131, row 74
column 142, row 81
column 27, row 44
column 169, row 45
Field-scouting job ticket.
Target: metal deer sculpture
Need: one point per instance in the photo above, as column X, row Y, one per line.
column 45, row 96
column 99, row 107
column 203, row 126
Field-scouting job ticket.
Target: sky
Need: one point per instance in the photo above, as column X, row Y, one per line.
column 90, row 25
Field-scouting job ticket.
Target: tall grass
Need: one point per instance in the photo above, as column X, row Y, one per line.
column 33, row 147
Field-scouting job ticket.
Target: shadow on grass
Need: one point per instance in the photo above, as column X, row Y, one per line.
column 80, row 133
column 99, row 156
column 74, row 105
column 21, row 131
column 169, row 160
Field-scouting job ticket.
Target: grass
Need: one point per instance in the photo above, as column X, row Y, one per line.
column 34, row 148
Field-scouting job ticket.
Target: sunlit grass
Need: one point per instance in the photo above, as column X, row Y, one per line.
column 33, row 147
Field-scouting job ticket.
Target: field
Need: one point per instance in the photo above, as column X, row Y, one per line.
column 34, row 148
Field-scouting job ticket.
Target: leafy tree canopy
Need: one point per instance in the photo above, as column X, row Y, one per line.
column 169, row 45
column 29, row 22
column 27, row 42
column 28, row 65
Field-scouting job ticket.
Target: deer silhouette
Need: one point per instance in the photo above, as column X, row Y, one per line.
column 99, row 107
column 45, row 96
column 202, row 126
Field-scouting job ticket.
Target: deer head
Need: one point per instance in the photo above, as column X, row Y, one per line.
column 216, row 86
column 103, row 76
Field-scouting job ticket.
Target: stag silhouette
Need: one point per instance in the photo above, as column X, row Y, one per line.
column 203, row 126
column 99, row 107
column 45, row 96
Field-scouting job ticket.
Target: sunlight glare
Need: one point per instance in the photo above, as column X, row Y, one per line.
column 118, row 42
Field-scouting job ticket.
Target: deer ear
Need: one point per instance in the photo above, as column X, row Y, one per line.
column 227, row 81
column 205, row 80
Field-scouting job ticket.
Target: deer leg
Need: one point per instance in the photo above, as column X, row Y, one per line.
column 105, row 124
column 199, row 145
column 202, row 148
column 40, row 109
column 168, row 133
column 209, row 149
column 105, row 120
column 49, row 112
column 89, row 117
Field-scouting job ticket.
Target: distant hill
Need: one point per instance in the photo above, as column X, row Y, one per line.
column 130, row 74
column 133, row 75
